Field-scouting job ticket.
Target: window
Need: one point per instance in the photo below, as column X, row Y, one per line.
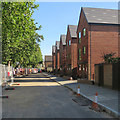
column 79, row 53
column 69, row 42
column 79, row 67
column 83, row 67
column 84, row 31
column 79, row 37
column 86, row 69
column 84, row 50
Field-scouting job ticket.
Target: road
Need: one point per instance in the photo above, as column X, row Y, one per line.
column 39, row 97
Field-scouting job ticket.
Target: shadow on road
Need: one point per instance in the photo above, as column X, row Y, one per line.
column 45, row 80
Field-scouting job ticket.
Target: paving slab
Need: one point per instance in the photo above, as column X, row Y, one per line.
column 107, row 98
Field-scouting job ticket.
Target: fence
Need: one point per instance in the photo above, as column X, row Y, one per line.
column 107, row 75
column 6, row 74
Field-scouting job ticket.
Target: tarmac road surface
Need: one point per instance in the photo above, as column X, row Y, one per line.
column 39, row 97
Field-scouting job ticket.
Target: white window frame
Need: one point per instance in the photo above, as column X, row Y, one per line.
column 69, row 42
column 84, row 31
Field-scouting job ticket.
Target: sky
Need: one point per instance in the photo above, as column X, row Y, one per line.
column 56, row 16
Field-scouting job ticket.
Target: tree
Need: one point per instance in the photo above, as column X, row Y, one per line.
column 36, row 58
column 19, row 36
column 0, row 34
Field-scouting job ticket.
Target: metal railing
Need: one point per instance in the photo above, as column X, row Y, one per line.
column 6, row 74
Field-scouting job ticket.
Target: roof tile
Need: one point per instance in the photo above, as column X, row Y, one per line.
column 100, row 15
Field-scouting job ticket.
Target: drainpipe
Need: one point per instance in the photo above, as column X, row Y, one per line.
column 90, row 51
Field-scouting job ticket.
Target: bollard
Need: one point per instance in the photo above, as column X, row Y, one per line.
column 78, row 92
column 94, row 104
column 96, row 95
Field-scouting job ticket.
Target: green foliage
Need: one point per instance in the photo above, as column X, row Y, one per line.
column 19, row 36
column 108, row 58
column 0, row 34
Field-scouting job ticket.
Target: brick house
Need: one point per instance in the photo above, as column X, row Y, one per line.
column 48, row 62
column 57, row 55
column 97, row 34
column 62, row 54
column 71, row 48
column 53, row 58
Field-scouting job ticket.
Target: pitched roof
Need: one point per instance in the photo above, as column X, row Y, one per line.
column 73, row 30
column 63, row 39
column 48, row 58
column 100, row 15
column 53, row 48
column 57, row 45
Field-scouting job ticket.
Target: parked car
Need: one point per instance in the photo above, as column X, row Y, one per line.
column 30, row 70
column 39, row 70
column 34, row 70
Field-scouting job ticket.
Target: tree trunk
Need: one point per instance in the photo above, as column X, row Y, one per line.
column 8, row 65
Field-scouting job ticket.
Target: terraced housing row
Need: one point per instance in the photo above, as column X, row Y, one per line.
column 84, row 44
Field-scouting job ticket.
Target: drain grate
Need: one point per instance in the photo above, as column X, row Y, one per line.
column 82, row 101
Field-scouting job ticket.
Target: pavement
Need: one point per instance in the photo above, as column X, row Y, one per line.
column 108, row 99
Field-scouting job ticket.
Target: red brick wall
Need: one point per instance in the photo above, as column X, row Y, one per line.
column 54, row 62
column 119, row 43
column 68, row 48
column 71, row 52
column 84, row 42
column 74, row 55
column 104, row 39
column 58, row 60
column 62, row 55
column 47, row 64
column 61, row 50
column 68, row 51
